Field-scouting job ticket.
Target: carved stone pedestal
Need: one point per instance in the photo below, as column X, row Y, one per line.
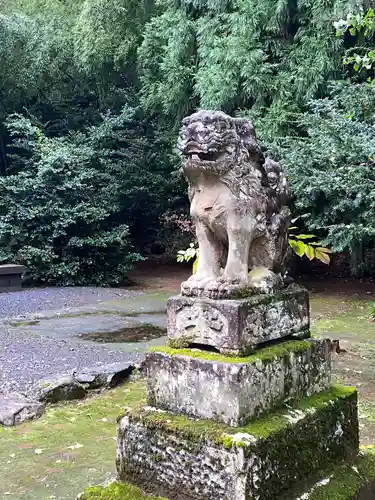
column 237, row 326
column 235, row 390
column 259, row 427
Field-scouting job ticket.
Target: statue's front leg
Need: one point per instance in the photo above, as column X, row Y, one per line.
column 240, row 231
column 237, row 266
column 208, row 268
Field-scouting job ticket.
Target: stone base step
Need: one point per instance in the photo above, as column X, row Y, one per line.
column 192, row 459
column 235, row 390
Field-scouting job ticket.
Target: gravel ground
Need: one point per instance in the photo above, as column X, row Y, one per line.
column 34, row 300
column 26, row 358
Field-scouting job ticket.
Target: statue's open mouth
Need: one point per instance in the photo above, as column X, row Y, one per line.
column 202, row 156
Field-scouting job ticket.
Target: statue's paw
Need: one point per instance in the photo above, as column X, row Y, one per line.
column 194, row 286
column 187, row 287
column 213, row 285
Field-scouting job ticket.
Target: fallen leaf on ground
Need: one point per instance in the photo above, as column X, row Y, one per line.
column 75, row 446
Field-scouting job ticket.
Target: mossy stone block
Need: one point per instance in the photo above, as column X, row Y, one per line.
column 236, row 390
column 238, row 326
column 194, row 459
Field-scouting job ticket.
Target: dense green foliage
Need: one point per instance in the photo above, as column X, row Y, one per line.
column 332, row 165
column 86, row 174
column 61, row 211
column 92, row 94
column 362, row 26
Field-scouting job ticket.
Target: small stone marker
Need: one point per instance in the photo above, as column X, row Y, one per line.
column 11, row 277
column 240, row 352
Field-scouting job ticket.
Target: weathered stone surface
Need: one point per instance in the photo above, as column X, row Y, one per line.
column 352, row 481
column 237, row 326
column 15, row 409
column 234, row 390
column 238, row 202
column 184, row 459
column 104, row 375
column 59, row 388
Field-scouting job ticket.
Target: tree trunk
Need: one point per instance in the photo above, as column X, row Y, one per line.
column 356, row 260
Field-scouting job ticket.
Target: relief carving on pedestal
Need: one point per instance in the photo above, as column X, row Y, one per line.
column 202, row 321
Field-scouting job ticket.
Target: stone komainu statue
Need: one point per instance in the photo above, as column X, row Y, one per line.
column 238, row 202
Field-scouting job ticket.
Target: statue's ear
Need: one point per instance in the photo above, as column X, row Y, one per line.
column 246, row 132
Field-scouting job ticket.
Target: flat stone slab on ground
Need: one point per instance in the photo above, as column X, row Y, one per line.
column 234, row 390
column 75, row 385
column 57, row 388
column 108, row 329
column 237, row 326
column 192, row 459
column 15, row 409
column 104, row 376
column 27, row 358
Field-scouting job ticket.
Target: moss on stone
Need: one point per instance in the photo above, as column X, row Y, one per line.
column 289, row 446
column 198, row 430
column 115, row 491
column 347, row 482
column 180, row 343
column 265, row 354
column 254, row 296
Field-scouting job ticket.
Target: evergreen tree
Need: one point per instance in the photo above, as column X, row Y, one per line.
column 263, row 58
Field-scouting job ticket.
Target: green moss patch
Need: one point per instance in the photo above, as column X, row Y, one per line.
column 72, row 446
column 347, row 482
column 199, row 430
column 115, row 491
column 254, row 297
column 265, row 354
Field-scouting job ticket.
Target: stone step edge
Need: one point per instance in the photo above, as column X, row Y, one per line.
column 242, row 389
column 208, row 431
column 253, row 299
column 271, row 352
